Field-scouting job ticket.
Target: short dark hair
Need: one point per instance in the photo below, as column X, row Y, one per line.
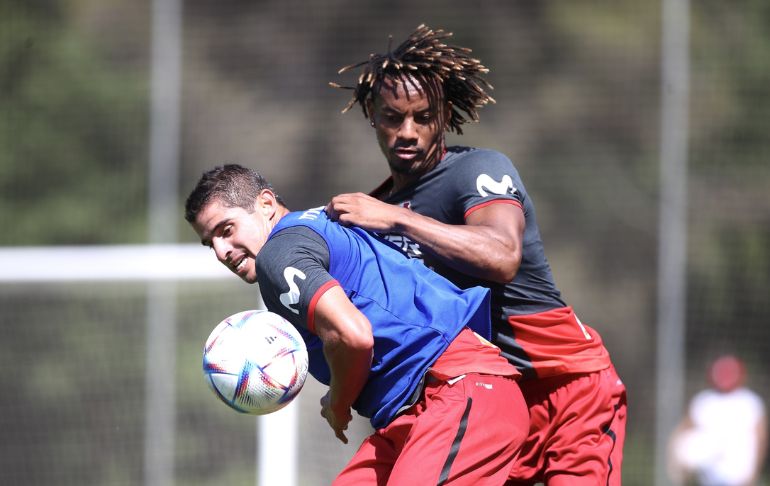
column 232, row 184
column 442, row 71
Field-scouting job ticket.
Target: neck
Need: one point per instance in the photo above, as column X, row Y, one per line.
column 280, row 212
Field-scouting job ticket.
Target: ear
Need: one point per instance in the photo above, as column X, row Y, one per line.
column 266, row 203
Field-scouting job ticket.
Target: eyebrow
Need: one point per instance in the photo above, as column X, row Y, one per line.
column 389, row 110
column 206, row 240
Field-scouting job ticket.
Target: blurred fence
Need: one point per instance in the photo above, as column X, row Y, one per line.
column 578, row 90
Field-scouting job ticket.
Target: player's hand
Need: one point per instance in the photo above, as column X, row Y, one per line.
column 364, row 211
column 337, row 421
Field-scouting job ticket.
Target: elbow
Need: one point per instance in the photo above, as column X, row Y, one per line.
column 358, row 343
column 359, row 349
column 360, row 337
column 496, row 268
column 502, row 277
column 505, row 269
column 350, row 347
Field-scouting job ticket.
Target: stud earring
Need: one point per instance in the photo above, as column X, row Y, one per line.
column 371, row 122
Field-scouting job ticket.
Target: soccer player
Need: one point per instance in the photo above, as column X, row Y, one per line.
column 393, row 340
column 466, row 212
column 722, row 440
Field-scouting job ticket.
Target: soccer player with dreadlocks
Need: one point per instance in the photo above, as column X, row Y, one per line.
column 466, row 213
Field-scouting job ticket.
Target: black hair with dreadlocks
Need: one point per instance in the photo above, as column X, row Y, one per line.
column 438, row 68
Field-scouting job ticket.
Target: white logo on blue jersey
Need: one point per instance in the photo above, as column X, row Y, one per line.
column 290, row 299
column 312, row 213
column 486, row 185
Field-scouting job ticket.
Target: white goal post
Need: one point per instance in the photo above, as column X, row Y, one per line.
column 155, row 264
column 109, row 263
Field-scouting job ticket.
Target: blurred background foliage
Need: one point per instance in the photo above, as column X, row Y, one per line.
column 578, row 95
column 73, row 158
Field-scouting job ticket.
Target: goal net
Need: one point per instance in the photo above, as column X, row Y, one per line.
column 103, row 381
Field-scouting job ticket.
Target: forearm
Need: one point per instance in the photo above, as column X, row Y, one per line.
column 487, row 246
column 349, row 368
column 476, row 250
column 348, row 346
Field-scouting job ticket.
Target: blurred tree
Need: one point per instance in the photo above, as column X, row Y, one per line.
column 72, row 133
column 729, row 268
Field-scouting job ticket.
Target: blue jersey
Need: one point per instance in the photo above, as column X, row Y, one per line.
column 414, row 313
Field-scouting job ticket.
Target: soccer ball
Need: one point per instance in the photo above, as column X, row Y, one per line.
column 255, row 361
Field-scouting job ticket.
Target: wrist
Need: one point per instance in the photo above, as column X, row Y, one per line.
column 339, row 409
column 404, row 220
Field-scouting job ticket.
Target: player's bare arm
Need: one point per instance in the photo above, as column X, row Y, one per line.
column 348, row 344
column 488, row 246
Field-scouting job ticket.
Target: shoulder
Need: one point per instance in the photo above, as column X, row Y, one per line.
column 298, row 250
column 472, row 160
column 290, row 243
column 703, row 399
column 475, row 154
column 313, row 223
column 752, row 398
column 469, row 154
column 294, row 235
column 485, row 171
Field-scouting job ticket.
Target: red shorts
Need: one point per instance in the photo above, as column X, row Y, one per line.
column 577, row 429
column 464, row 433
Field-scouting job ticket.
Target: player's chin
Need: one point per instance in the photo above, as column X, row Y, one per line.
column 403, row 166
column 248, row 275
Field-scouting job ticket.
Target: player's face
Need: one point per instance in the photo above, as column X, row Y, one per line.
column 235, row 235
column 409, row 129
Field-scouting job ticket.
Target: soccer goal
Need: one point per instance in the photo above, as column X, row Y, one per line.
column 108, row 340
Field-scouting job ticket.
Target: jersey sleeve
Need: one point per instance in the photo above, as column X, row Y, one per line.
column 292, row 272
column 486, row 177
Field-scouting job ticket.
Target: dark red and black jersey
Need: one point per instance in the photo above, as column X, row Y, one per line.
column 532, row 324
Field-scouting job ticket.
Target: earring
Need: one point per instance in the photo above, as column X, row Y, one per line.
column 371, row 122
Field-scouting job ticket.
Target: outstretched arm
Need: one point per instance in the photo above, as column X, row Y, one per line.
column 348, row 347
column 488, row 245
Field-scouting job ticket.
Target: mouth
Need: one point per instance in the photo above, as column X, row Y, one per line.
column 239, row 266
column 406, row 153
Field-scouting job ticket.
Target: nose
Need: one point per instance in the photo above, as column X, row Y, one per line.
column 408, row 129
column 221, row 249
